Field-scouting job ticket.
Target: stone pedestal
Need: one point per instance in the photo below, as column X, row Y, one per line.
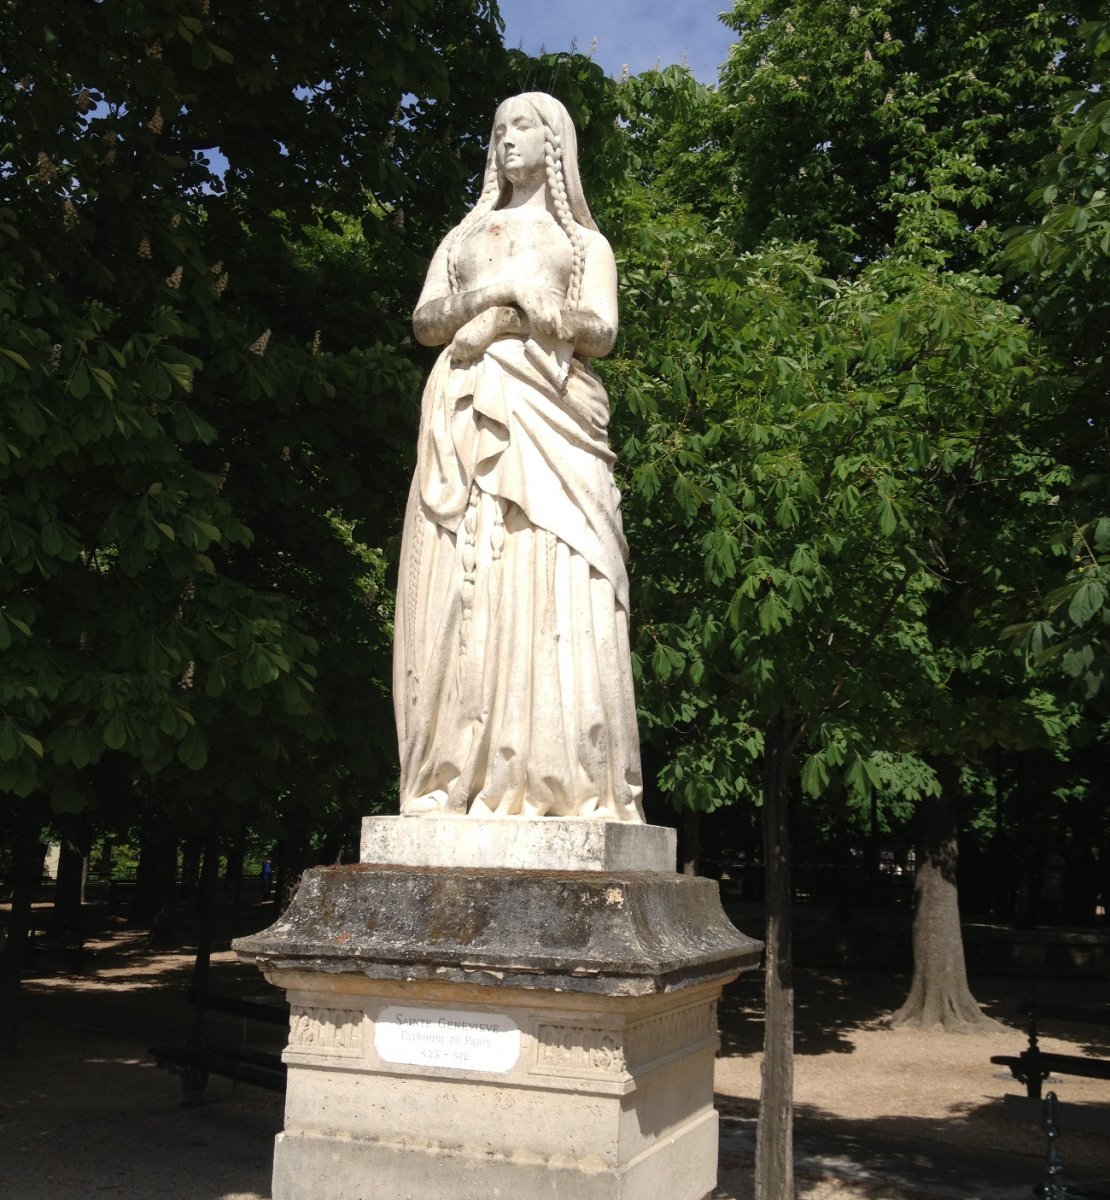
column 463, row 1031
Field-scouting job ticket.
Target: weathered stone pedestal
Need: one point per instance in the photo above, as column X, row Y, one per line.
column 464, row 1026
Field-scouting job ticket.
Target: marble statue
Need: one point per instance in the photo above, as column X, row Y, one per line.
column 512, row 674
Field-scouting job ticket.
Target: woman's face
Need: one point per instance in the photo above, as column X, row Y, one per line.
column 518, row 142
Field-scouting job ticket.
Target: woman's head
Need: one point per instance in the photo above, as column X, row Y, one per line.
column 561, row 155
column 519, row 145
column 563, row 185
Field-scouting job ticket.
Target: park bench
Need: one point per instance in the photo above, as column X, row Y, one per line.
column 1054, row 1187
column 199, row 1058
column 1034, row 1065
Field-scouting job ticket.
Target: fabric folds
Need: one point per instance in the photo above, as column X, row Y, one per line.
column 512, row 673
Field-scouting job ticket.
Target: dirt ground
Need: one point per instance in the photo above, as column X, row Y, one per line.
column 904, row 1114
column 886, row 1115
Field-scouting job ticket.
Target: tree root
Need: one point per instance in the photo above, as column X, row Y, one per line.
column 942, row 1011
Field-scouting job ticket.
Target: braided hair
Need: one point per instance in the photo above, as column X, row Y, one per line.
column 564, row 187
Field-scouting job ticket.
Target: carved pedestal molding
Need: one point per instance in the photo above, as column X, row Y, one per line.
column 613, row 1098
column 471, row 1034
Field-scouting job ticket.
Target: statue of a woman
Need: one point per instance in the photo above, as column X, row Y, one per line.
column 512, row 675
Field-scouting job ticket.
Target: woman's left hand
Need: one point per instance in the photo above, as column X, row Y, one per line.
column 544, row 311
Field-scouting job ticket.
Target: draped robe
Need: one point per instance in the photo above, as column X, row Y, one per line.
column 512, row 673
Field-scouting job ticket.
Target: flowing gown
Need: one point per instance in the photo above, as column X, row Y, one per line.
column 512, row 674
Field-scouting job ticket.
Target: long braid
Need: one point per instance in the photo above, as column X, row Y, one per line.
column 557, row 190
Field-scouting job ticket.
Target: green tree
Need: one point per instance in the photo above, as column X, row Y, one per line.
column 849, row 124
column 885, row 133
column 205, row 399
column 806, row 456
column 1060, row 265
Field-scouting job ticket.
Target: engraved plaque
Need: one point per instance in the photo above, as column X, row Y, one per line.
column 455, row 1038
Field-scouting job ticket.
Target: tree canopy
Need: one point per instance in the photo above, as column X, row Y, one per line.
column 209, row 389
column 852, row 431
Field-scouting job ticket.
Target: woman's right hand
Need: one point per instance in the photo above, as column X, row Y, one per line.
column 470, row 342
column 473, row 339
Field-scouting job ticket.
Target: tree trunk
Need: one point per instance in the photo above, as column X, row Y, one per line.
column 191, row 852
column 69, row 887
column 26, row 870
column 774, row 1138
column 206, row 905
column 104, row 863
column 939, row 997
column 873, row 850
column 293, row 855
column 155, row 883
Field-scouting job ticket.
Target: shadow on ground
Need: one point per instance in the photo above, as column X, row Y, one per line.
column 972, row 1152
column 906, row 1157
column 84, row 1112
column 830, row 1004
column 83, row 1109
column 104, row 1121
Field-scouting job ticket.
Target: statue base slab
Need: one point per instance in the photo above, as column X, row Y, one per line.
column 546, row 843
column 481, row 1032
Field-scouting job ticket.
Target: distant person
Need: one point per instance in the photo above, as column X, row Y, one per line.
column 267, row 877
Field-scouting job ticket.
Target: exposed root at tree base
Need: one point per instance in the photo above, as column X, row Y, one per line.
column 942, row 1014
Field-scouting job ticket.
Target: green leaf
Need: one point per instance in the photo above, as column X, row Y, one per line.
column 192, row 750
column 180, row 374
column 1088, row 600
column 815, row 776
column 105, row 381
column 774, row 613
column 115, row 732
column 51, row 538
column 665, row 661
column 32, row 743
column 888, row 518
column 79, row 381
column 11, row 745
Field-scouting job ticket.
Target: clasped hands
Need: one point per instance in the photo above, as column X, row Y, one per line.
column 532, row 311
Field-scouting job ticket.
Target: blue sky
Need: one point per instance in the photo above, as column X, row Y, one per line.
column 638, row 33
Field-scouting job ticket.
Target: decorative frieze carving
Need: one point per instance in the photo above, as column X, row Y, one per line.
column 579, row 1049
column 612, row 1053
column 678, row 1030
column 337, row 1032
